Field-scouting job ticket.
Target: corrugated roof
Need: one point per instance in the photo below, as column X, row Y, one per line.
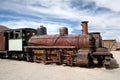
column 118, row 44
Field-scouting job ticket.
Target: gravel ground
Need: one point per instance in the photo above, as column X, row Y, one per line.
column 21, row 70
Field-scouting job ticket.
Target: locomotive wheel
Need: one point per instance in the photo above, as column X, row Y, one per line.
column 59, row 56
column 34, row 58
column 14, row 56
column 4, row 56
column 58, row 63
column 44, row 58
column 28, row 58
column 68, row 63
column 21, row 56
column 98, row 62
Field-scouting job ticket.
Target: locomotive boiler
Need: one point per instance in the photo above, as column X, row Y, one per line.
column 80, row 50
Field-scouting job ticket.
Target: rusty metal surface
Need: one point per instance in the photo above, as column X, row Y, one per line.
column 84, row 27
column 101, row 53
column 45, row 56
column 84, row 41
column 2, row 42
column 63, row 39
column 57, row 40
column 82, row 58
column 103, row 49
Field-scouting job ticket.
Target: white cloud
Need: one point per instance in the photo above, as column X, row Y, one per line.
column 52, row 28
column 61, row 9
column 113, row 5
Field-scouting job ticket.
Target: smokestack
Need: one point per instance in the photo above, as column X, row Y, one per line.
column 84, row 27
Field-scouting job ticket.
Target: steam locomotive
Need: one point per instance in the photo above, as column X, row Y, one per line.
column 63, row 48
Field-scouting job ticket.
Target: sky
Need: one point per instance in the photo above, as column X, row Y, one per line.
column 103, row 15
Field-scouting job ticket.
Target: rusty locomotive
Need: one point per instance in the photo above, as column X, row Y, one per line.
column 63, row 48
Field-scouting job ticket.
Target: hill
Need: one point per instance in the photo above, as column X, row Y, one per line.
column 2, row 28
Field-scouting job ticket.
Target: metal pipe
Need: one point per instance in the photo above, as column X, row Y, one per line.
column 84, row 27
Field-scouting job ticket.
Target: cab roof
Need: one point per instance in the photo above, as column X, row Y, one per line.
column 23, row 29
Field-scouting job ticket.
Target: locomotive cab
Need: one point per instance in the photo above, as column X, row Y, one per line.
column 16, row 39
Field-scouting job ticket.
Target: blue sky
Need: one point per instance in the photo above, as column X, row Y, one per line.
column 103, row 15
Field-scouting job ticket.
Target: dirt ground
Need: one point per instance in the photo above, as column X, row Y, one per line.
column 21, row 70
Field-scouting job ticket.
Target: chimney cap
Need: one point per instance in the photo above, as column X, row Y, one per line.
column 84, row 22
